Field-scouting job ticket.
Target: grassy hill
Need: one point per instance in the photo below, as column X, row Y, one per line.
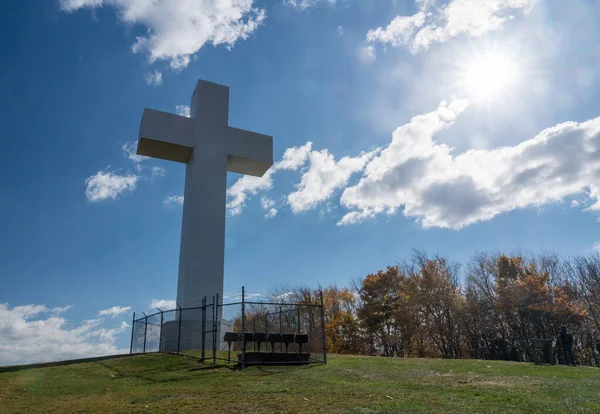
column 167, row 383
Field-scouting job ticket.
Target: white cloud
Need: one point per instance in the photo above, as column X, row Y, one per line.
column 327, row 208
column 366, row 54
column 596, row 247
column 177, row 29
column 306, row 4
column 294, row 158
column 238, row 296
column 114, row 311
column 158, row 172
column 284, row 295
column 72, row 5
column 423, row 178
column 426, row 181
column 183, row 110
column 173, row 201
column 247, row 186
column 268, row 205
column 104, row 185
column 33, row 333
column 164, row 304
column 130, row 149
column 435, row 23
column 323, row 176
column 61, row 309
column 154, row 78
column 340, row 30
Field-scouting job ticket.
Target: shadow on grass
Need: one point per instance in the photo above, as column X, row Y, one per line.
column 14, row 368
column 152, row 375
column 278, row 369
column 206, row 367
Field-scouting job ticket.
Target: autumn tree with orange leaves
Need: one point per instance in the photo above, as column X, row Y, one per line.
column 491, row 308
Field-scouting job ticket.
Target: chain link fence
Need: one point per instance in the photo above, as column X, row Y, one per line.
column 243, row 332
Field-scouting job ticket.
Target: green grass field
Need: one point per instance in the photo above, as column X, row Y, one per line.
column 168, row 383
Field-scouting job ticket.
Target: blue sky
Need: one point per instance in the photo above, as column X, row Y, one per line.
column 449, row 126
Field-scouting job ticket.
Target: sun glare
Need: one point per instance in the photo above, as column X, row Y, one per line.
column 486, row 77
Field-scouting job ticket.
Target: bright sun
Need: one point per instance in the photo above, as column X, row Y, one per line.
column 489, row 76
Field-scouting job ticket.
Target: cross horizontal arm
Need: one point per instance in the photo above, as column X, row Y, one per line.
column 166, row 136
column 248, row 152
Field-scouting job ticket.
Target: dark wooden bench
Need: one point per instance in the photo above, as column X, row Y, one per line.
column 259, row 337
column 300, row 340
column 230, row 337
column 287, row 339
column 273, row 339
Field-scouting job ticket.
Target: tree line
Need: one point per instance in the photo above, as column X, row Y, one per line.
column 489, row 308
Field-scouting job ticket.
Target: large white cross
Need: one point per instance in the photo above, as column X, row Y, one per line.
column 210, row 148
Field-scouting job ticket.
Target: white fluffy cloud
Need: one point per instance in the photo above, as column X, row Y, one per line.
column 230, row 297
column 284, row 296
column 247, row 186
column 158, row 172
column 423, row 178
column 154, row 78
column 173, row 201
column 366, row 54
column 435, row 23
column 294, row 158
column 60, row 309
column 177, row 29
column 33, row 333
column 114, row 311
column 269, row 206
column 323, row 176
column 130, row 151
column 164, row 304
column 183, row 110
column 109, row 185
column 306, row 4
column 426, row 181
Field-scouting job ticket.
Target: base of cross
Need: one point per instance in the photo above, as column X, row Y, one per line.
column 187, row 335
column 275, row 358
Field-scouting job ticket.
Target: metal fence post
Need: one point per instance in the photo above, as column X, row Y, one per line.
column 254, row 330
column 243, row 330
column 214, row 336
column 203, row 328
column 323, row 329
column 132, row 329
column 267, row 323
column 280, row 327
column 145, row 330
column 161, row 331
column 179, row 334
